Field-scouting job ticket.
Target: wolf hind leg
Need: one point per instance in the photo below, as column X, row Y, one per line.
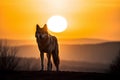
column 49, row 65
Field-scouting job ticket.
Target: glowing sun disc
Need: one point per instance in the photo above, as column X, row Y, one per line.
column 57, row 24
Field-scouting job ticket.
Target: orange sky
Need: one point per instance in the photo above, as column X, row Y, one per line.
column 86, row 18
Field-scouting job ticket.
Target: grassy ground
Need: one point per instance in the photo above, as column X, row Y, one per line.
column 37, row 75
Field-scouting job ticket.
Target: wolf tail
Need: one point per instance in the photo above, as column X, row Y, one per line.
column 56, row 59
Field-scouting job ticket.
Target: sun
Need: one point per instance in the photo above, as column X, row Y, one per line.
column 57, row 24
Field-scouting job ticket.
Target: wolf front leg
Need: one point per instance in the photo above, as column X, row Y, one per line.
column 42, row 61
column 49, row 65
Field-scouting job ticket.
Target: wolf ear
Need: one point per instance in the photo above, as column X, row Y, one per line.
column 45, row 27
column 37, row 27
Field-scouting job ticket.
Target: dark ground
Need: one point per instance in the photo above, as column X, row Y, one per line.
column 37, row 75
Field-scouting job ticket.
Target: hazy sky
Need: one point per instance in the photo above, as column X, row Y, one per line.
column 86, row 18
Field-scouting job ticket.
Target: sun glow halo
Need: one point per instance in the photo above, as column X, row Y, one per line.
column 57, row 24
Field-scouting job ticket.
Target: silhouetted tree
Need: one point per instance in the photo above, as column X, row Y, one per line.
column 115, row 66
column 8, row 60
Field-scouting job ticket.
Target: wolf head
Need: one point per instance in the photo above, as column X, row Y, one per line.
column 41, row 33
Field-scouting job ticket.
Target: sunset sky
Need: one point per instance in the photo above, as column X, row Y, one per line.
column 99, row 19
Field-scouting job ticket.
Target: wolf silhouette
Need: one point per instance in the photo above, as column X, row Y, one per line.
column 47, row 44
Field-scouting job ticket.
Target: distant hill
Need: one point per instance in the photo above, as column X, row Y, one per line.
column 100, row 53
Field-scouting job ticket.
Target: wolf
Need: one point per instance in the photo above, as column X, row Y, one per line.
column 47, row 44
